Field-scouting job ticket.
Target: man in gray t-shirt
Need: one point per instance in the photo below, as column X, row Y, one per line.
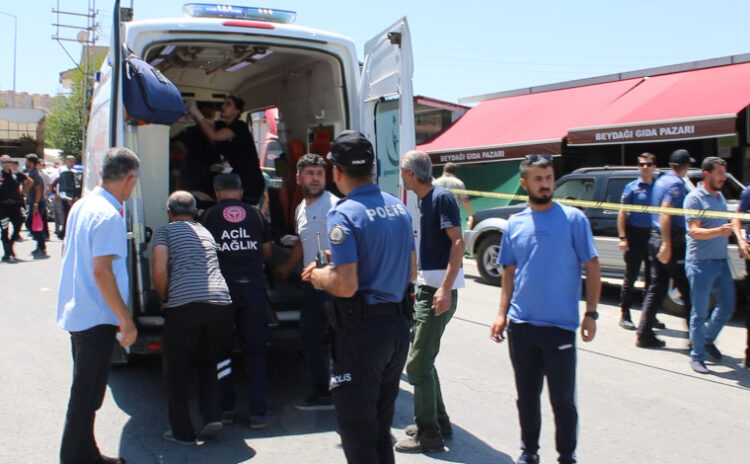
column 449, row 181
column 313, row 240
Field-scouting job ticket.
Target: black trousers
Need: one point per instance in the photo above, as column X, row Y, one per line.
column 660, row 275
column 10, row 215
column 92, row 353
column 636, row 255
column 367, row 365
column 250, row 327
column 313, row 330
column 193, row 334
column 40, row 237
column 537, row 352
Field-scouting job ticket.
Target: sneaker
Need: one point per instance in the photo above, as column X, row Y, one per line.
column 649, row 342
column 170, row 437
column 713, row 351
column 227, row 417
column 211, row 429
column 316, row 402
column 659, row 325
column 429, row 442
column 7, row 259
column 627, row 324
column 446, row 430
column 699, row 366
column 261, row 422
column 528, row 458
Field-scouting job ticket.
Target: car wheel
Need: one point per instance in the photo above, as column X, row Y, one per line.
column 673, row 303
column 487, row 252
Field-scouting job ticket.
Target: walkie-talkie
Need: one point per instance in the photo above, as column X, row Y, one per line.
column 321, row 258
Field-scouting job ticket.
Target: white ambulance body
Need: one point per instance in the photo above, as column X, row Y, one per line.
column 313, row 77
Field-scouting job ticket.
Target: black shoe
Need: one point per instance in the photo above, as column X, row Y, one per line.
column 747, row 361
column 428, row 442
column 7, row 259
column 713, row 351
column 649, row 342
column 227, row 417
column 659, row 325
column 528, row 458
column 446, row 430
column 627, row 324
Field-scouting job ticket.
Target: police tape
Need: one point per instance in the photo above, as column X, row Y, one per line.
column 698, row 213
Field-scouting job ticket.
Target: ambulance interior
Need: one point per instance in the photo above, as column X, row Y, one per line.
column 295, row 103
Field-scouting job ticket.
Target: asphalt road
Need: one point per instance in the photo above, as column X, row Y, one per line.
column 635, row 405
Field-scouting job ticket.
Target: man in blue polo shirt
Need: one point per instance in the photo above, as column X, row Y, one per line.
column 742, row 235
column 707, row 264
column 634, row 229
column 92, row 300
column 373, row 260
column 666, row 254
column 543, row 250
column 441, row 250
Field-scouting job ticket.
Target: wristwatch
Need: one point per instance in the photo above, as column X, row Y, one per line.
column 592, row 314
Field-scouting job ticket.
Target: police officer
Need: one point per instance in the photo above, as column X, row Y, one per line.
column 634, row 230
column 666, row 253
column 244, row 239
column 373, row 259
column 11, row 203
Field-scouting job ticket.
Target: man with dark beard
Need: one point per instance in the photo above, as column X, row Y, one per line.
column 311, row 216
column 543, row 250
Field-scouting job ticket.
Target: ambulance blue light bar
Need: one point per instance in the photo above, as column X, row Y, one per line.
column 210, row 10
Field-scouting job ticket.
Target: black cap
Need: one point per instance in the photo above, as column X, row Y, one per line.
column 680, row 157
column 352, row 151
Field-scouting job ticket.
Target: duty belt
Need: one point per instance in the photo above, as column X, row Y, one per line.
column 382, row 309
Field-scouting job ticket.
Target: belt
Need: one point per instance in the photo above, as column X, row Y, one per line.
column 382, row 309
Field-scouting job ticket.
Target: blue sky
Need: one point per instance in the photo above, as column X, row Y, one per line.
column 461, row 48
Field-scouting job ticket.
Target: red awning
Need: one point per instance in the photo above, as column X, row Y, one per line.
column 684, row 105
column 513, row 127
column 680, row 106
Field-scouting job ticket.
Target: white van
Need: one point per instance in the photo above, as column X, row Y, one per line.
column 313, row 78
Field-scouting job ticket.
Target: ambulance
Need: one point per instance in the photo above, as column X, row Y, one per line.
column 311, row 79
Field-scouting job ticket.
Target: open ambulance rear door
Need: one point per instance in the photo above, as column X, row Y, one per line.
column 387, row 106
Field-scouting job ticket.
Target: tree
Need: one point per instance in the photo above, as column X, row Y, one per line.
column 65, row 123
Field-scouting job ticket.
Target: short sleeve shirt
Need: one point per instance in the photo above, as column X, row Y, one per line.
column 449, row 182
column 669, row 188
column 95, row 228
column 438, row 211
column 374, row 230
column 744, row 207
column 548, row 249
column 192, row 265
column 638, row 192
column 712, row 248
column 240, row 231
column 38, row 182
column 10, row 185
column 312, row 224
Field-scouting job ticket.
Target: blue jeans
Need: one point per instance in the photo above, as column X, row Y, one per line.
column 706, row 278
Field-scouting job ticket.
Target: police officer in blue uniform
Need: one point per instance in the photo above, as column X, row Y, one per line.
column 634, row 230
column 666, row 247
column 373, row 260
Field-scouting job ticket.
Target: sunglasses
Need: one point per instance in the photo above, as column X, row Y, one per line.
column 535, row 158
column 648, row 165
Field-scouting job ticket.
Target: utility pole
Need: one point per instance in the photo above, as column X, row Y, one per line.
column 15, row 39
column 87, row 37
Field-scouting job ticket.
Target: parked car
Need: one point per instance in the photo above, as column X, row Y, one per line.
column 595, row 184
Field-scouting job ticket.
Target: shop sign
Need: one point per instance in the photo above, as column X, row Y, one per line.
column 699, row 128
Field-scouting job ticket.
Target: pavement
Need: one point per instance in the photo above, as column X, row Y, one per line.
column 635, row 405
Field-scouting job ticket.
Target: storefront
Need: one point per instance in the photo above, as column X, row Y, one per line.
column 700, row 106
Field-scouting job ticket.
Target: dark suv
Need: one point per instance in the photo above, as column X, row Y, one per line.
column 595, row 184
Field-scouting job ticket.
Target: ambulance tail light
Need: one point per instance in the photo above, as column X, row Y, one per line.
column 210, row 10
